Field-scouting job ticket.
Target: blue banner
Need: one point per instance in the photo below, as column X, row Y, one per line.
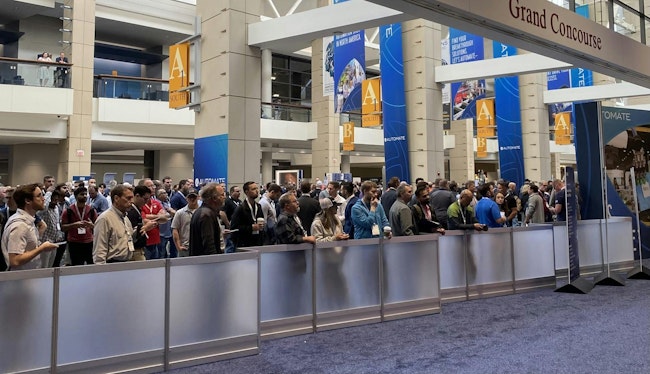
column 349, row 70
column 394, row 102
column 572, row 224
column 625, row 135
column 211, row 159
column 465, row 47
column 508, row 118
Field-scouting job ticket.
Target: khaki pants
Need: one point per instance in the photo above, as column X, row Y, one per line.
column 138, row 255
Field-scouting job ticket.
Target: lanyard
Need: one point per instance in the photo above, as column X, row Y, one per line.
column 462, row 212
column 80, row 215
column 253, row 212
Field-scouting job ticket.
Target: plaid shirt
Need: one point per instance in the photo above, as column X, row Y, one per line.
column 51, row 217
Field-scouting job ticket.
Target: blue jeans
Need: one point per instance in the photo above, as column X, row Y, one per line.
column 151, row 252
column 173, row 252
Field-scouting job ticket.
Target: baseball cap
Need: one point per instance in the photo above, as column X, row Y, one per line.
column 319, row 184
column 192, row 191
column 327, row 203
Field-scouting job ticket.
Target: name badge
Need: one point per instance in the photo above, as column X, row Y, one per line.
column 375, row 230
column 81, row 231
column 130, row 245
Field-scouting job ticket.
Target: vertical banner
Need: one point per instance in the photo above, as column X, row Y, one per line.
column 465, row 47
column 179, row 74
column 508, row 114
column 211, row 159
column 349, row 70
column 348, row 136
column 394, row 102
column 481, row 147
column 371, row 103
column 563, row 128
column 485, row 118
column 328, row 66
column 572, row 224
column 446, row 88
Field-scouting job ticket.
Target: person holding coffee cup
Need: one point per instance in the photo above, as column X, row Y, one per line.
column 248, row 219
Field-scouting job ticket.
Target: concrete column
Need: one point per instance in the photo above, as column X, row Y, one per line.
column 345, row 163
column 74, row 152
column 29, row 163
column 556, row 166
column 267, row 167
column 326, row 148
column 461, row 157
column 176, row 163
column 421, row 49
column 534, row 127
column 230, row 102
column 267, row 82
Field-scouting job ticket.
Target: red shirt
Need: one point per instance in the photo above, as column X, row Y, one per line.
column 152, row 207
column 72, row 215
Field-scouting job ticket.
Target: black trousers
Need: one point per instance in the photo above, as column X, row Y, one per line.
column 81, row 253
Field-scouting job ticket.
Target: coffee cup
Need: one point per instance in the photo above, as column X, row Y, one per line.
column 387, row 231
column 260, row 221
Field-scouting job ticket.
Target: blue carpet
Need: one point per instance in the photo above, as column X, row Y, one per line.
column 605, row 331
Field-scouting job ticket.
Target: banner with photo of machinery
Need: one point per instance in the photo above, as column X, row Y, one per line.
column 349, row 70
column 465, row 47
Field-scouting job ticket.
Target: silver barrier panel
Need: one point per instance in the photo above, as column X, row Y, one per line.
column 533, row 257
column 26, row 320
column 213, row 308
column 620, row 239
column 453, row 277
column 620, row 236
column 286, row 305
column 411, row 284
column 111, row 317
column 347, row 283
column 489, row 263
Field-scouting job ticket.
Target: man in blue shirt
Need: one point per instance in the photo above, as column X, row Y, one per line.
column 368, row 216
column 487, row 211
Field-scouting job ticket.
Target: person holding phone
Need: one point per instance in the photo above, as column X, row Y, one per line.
column 368, row 216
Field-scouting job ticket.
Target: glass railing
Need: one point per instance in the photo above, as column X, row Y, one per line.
column 34, row 73
column 136, row 88
column 286, row 112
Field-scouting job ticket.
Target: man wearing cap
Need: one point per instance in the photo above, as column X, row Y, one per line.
column 288, row 229
column 181, row 223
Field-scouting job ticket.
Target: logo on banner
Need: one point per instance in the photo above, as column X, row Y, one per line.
column 179, row 63
column 481, row 147
column 348, row 136
column 371, row 103
column 563, row 128
column 485, row 118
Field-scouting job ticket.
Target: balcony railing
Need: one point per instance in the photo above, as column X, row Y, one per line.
column 122, row 87
column 34, row 73
column 286, row 112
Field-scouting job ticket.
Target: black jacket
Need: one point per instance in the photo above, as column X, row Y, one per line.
column 242, row 220
column 309, row 207
column 205, row 232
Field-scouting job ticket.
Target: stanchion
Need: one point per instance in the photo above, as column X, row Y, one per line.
column 640, row 271
column 577, row 284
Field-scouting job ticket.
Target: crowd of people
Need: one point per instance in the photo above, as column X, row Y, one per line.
column 51, row 225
